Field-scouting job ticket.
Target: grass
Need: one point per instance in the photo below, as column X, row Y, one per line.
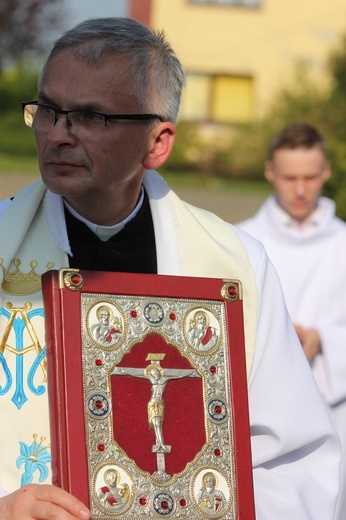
column 19, row 164
column 206, row 181
column 197, row 180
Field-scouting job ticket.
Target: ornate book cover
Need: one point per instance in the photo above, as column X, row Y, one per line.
column 148, row 392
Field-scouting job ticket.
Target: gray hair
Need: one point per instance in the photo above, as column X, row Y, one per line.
column 157, row 72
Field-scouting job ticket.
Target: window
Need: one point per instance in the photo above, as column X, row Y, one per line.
column 220, row 98
column 241, row 3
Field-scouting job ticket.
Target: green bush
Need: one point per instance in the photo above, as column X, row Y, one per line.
column 244, row 151
column 218, row 151
column 15, row 137
column 336, row 186
column 186, row 150
column 16, row 85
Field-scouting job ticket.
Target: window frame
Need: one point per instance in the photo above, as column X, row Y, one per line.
column 228, row 3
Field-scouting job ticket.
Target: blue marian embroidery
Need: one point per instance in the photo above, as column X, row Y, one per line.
column 34, row 457
column 19, row 320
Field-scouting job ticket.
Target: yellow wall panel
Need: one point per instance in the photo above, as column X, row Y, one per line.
column 232, row 99
column 263, row 43
column 195, row 98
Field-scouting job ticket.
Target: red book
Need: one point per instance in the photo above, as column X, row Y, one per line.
column 148, row 392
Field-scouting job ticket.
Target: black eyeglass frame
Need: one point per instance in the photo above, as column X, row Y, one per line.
column 106, row 117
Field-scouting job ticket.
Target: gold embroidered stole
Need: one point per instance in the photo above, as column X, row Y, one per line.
column 27, row 250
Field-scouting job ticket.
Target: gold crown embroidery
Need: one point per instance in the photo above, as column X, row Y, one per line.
column 18, row 283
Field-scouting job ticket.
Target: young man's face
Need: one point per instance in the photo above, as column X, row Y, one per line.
column 298, row 176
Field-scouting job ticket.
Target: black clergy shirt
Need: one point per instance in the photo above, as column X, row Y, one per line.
column 132, row 250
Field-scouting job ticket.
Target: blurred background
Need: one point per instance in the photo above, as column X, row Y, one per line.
column 252, row 66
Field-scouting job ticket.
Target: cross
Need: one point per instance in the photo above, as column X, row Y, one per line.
column 158, row 377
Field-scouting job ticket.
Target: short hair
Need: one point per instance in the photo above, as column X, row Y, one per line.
column 157, row 72
column 296, row 135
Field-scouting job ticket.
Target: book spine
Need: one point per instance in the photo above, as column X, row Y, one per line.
column 55, row 374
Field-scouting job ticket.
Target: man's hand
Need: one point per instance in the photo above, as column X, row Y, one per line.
column 310, row 340
column 40, row 502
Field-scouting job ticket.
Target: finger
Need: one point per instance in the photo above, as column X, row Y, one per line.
column 63, row 499
column 40, row 502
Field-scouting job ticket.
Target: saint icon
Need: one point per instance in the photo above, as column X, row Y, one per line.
column 210, row 500
column 108, row 330
column 201, row 335
column 114, row 495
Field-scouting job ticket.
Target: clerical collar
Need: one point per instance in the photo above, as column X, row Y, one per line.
column 105, row 232
column 309, row 223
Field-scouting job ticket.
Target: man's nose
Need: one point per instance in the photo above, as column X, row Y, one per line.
column 61, row 132
column 300, row 187
column 64, row 119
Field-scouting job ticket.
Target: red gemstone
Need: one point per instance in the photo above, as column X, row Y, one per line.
column 143, row 501
column 213, row 369
column 232, row 290
column 101, row 447
column 218, row 409
column 217, row 452
column 164, row 504
column 99, row 362
column 75, row 278
column 173, row 316
column 183, row 502
column 133, row 314
column 98, row 404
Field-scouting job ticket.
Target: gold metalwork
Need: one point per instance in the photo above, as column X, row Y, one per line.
column 219, row 434
column 66, row 279
column 232, row 290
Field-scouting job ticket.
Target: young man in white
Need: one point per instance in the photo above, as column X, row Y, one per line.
column 307, row 244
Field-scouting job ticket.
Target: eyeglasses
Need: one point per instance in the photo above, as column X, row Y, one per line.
column 83, row 123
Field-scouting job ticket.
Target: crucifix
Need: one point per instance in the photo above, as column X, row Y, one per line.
column 158, row 377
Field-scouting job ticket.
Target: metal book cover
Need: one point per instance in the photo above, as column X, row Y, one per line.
column 148, row 393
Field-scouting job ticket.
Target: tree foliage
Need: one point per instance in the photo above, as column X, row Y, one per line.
column 25, row 24
column 239, row 153
column 304, row 101
column 337, row 67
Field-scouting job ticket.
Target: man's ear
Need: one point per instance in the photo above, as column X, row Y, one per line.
column 268, row 171
column 327, row 172
column 161, row 142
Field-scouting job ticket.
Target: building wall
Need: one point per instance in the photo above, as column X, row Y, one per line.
column 237, row 57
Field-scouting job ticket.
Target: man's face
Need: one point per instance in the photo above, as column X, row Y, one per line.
column 155, row 373
column 91, row 170
column 200, row 320
column 111, row 478
column 105, row 317
column 210, row 483
column 298, row 176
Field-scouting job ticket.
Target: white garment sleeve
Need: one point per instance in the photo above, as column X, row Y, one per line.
column 3, row 205
column 330, row 366
column 295, row 450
